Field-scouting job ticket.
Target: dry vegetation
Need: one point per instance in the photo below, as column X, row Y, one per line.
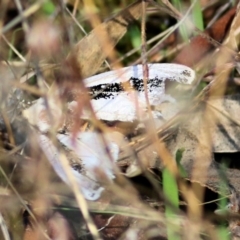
column 65, row 177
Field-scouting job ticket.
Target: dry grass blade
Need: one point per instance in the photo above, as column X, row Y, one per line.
column 97, row 157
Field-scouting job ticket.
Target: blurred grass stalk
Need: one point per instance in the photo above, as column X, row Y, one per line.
column 170, row 190
column 197, row 17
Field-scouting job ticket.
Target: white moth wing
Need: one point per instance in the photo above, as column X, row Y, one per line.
column 120, row 108
column 125, row 106
column 173, row 72
column 163, row 71
column 89, row 188
column 89, row 147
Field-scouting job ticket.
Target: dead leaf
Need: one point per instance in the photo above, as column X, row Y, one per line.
column 226, row 137
column 89, row 51
column 200, row 46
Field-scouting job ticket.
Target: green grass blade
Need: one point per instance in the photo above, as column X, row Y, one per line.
column 197, row 15
column 170, row 190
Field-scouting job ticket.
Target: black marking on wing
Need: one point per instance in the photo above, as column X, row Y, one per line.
column 186, row 73
column 110, row 90
column 105, row 90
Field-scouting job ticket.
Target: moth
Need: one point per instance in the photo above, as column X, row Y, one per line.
column 112, row 101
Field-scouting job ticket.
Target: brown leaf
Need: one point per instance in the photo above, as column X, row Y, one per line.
column 200, row 46
column 89, row 51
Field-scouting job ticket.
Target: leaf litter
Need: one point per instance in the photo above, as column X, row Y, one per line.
column 178, row 128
